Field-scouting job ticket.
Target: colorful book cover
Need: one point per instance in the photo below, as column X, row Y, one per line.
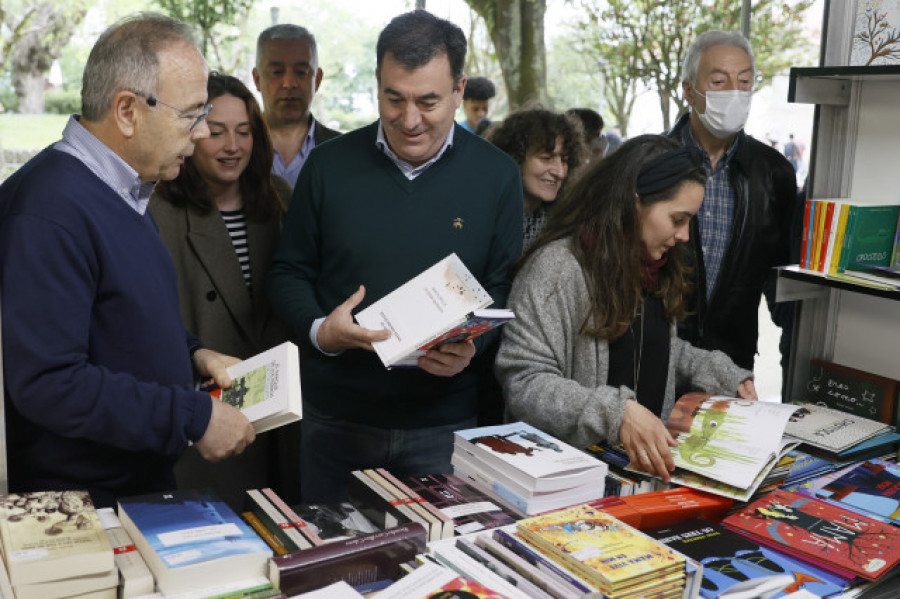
column 533, row 458
column 839, row 240
column 599, row 546
column 433, row 581
column 819, row 235
column 735, row 566
column 826, row 234
column 726, row 439
column 470, row 508
column 832, row 430
column 869, row 238
column 834, row 538
column 871, row 488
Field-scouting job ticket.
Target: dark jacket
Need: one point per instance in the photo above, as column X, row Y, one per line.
column 766, row 193
column 323, row 133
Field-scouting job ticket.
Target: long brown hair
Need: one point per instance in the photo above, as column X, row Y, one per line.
column 599, row 216
column 257, row 190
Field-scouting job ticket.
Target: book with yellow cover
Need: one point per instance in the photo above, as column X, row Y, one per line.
column 608, row 552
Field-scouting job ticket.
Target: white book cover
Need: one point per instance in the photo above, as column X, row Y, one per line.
column 266, row 387
column 727, row 439
column 423, row 308
column 876, row 33
column 831, row 429
column 135, row 577
column 533, row 458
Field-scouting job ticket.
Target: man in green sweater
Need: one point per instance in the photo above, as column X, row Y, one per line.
column 371, row 210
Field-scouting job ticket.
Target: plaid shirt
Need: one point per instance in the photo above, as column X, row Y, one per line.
column 717, row 211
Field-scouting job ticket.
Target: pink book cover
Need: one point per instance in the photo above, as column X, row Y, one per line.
column 835, row 538
column 301, row 524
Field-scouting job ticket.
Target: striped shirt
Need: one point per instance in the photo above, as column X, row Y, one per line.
column 716, row 215
column 236, row 224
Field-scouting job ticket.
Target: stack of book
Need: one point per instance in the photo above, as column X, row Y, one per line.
column 55, row 546
column 526, row 468
column 135, row 578
column 840, row 235
column 870, row 488
column 470, row 508
column 616, row 558
column 192, row 541
column 619, row 480
column 276, row 523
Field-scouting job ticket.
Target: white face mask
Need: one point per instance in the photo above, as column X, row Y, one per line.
column 726, row 111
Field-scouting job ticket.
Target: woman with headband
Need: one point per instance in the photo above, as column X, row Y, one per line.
column 592, row 354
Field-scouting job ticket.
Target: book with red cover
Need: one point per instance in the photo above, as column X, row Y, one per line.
column 357, row 560
column 831, row 537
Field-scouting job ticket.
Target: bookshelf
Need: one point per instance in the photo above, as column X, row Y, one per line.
column 856, row 142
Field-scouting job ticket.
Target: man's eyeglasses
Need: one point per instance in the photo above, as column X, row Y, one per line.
column 152, row 101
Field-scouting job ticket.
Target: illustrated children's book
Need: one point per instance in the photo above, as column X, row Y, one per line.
column 192, row 540
column 425, row 309
column 871, row 488
column 836, row 539
column 605, row 551
column 534, row 459
column 830, row 429
column 735, row 566
column 875, row 39
column 266, row 387
column 727, row 445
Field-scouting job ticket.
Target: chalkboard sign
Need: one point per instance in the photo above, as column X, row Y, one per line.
column 853, row 391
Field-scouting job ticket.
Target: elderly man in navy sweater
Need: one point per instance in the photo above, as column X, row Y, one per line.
column 372, row 209
column 97, row 363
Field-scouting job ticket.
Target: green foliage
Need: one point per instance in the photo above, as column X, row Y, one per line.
column 221, row 25
column 62, row 101
column 645, row 41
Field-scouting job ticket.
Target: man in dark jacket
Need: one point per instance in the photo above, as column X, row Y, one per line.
column 743, row 228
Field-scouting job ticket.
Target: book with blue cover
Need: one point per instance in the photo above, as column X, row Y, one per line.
column 192, row 540
column 871, row 488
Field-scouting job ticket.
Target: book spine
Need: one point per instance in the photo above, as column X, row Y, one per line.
column 804, row 256
column 839, row 241
column 375, row 503
column 501, row 569
column 849, row 233
column 136, row 578
column 512, row 501
column 358, row 560
column 264, row 533
column 301, row 524
column 543, row 580
column 826, row 235
column 446, row 522
column 423, row 516
column 275, row 521
column 539, row 562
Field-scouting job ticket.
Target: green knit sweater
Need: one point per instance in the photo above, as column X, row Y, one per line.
column 355, row 219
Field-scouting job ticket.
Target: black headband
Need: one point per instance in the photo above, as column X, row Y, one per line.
column 666, row 170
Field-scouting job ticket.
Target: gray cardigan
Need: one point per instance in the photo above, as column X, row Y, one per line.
column 554, row 377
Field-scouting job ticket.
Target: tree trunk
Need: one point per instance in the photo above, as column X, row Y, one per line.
column 517, row 29
column 30, row 90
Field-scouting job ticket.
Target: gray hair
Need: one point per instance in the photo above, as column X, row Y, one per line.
column 287, row 31
column 126, row 57
column 691, row 66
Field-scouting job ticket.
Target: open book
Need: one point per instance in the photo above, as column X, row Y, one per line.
column 266, row 387
column 726, row 445
column 443, row 304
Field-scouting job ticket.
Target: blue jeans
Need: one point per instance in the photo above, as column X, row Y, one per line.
column 332, row 448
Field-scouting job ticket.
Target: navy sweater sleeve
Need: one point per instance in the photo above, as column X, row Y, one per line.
column 94, row 347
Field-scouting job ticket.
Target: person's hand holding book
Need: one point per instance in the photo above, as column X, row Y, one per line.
column 339, row 331
column 448, row 359
column 646, row 440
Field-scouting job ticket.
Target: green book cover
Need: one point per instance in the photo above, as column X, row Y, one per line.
column 895, row 256
column 869, row 238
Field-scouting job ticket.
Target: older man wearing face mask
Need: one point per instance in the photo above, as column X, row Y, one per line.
column 743, row 227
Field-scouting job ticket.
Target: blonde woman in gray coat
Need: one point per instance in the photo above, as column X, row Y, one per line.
column 593, row 354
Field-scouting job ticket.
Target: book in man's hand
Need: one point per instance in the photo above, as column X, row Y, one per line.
column 266, row 387
column 443, row 304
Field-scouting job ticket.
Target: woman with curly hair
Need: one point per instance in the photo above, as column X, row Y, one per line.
column 593, row 353
column 548, row 147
